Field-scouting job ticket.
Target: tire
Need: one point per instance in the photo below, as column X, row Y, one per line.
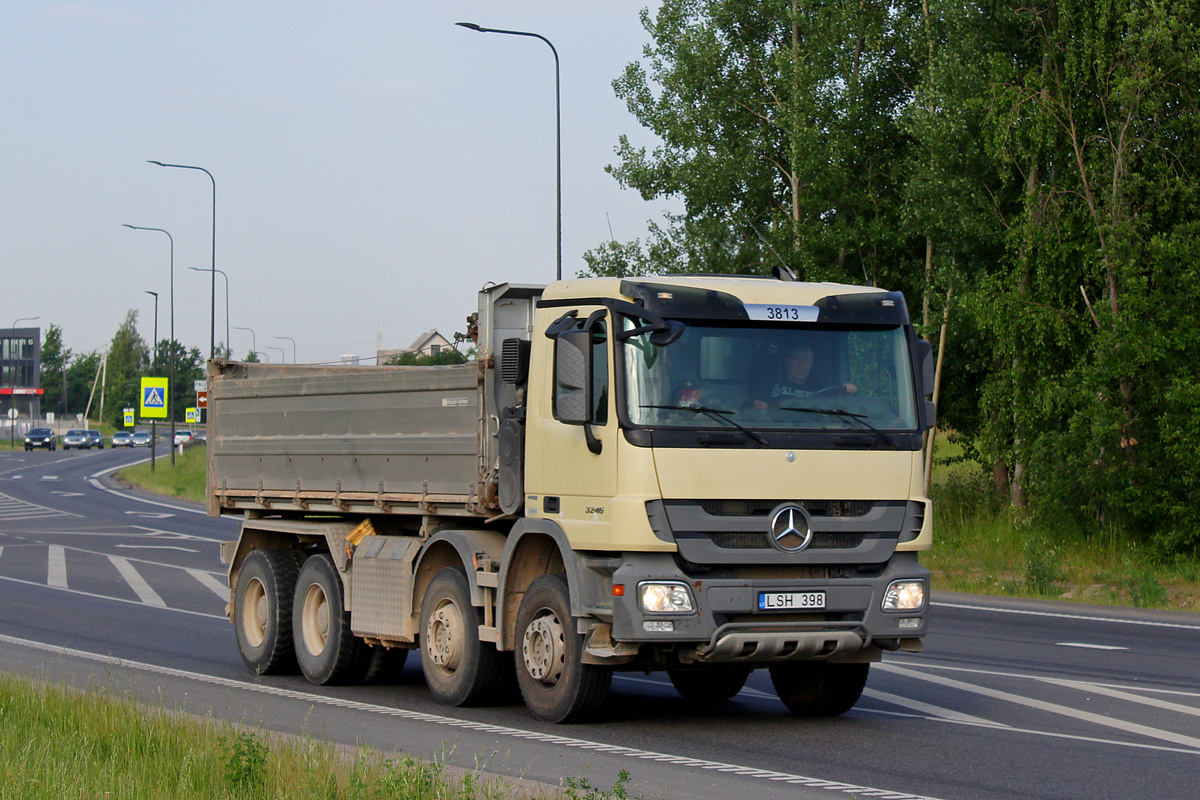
column 262, row 610
column 556, row 684
column 326, row 650
column 818, row 688
column 712, row 685
column 459, row 669
column 385, row 664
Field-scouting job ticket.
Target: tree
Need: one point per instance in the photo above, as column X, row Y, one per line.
column 54, row 358
column 128, row 361
column 446, row 356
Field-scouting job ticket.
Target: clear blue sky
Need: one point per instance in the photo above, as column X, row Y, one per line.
column 375, row 165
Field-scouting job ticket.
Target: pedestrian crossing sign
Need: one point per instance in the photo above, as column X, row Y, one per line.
column 154, row 398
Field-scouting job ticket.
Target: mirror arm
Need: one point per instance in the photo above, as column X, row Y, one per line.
column 593, row 443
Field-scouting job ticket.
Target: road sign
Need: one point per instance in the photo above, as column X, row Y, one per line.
column 191, row 415
column 128, row 412
column 199, row 386
column 202, row 399
column 154, row 398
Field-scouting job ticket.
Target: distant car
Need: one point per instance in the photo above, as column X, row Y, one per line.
column 183, row 437
column 141, row 439
column 97, row 438
column 78, row 439
column 40, row 437
column 122, row 439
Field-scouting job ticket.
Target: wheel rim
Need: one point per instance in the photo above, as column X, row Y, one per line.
column 315, row 622
column 256, row 609
column 443, row 636
column 543, row 649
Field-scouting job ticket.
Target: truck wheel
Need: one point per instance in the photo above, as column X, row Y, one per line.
column 556, row 684
column 818, row 688
column 262, row 610
column 385, row 664
column 709, row 685
column 328, row 653
column 459, row 669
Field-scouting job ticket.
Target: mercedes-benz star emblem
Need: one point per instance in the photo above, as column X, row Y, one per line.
column 791, row 530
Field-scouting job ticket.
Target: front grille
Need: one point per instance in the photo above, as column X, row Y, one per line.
column 821, row 540
column 761, row 508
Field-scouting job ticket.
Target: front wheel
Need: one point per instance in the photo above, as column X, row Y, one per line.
column 327, row 651
column 459, row 669
column 818, row 688
column 262, row 610
column 711, row 685
column 556, row 684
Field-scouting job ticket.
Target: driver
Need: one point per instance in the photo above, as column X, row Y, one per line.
column 796, row 381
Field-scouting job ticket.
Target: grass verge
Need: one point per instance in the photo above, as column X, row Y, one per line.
column 184, row 480
column 57, row 743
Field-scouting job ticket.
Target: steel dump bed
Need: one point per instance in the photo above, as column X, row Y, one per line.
column 345, row 439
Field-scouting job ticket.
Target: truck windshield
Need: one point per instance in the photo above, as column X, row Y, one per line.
column 762, row 376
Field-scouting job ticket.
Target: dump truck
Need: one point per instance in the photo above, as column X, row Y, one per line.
column 631, row 474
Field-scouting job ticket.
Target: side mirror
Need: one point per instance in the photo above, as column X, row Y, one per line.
column 924, row 354
column 572, row 377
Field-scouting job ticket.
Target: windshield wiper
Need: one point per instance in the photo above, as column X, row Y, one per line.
column 718, row 414
column 861, row 419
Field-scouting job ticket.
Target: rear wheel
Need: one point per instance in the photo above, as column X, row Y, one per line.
column 556, row 684
column 385, row 664
column 328, row 653
column 818, row 688
column 459, row 669
column 262, row 610
column 712, row 685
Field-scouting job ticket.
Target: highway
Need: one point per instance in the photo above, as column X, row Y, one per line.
column 1012, row 699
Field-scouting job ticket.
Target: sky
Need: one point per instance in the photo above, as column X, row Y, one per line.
column 374, row 164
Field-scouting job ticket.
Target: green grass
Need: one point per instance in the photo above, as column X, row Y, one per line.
column 184, row 480
column 57, row 743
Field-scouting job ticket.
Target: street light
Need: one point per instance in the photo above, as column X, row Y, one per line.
column 154, row 369
column 557, row 118
column 282, row 355
column 212, row 340
column 293, row 341
column 12, row 379
column 253, row 346
column 226, row 277
column 171, row 344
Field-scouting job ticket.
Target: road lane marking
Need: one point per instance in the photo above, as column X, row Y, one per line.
column 96, row 596
column 1041, row 705
column 48, row 478
column 149, row 514
column 12, row 508
column 935, row 711
column 157, row 547
column 1129, row 697
column 218, row 586
column 1087, row 646
column 94, row 480
column 1063, row 615
column 137, row 582
column 56, row 566
column 479, row 727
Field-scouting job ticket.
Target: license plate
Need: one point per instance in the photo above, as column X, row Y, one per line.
column 773, row 601
column 781, row 313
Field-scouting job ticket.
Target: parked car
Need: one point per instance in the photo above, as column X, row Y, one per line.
column 141, row 439
column 40, row 437
column 97, row 438
column 183, row 437
column 78, row 439
column 122, row 439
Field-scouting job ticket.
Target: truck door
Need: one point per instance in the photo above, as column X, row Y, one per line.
column 577, row 468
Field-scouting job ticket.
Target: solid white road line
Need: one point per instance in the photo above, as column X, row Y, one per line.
column 931, row 710
column 56, row 566
column 137, row 582
column 1129, row 697
column 1063, row 615
column 1041, row 705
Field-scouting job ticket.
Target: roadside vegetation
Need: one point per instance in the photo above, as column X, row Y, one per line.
column 57, row 743
column 185, row 480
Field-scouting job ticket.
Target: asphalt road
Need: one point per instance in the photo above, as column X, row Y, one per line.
column 1011, row 699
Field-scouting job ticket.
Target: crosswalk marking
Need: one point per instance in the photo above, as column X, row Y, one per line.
column 137, row 582
column 56, row 566
column 209, row 580
column 13, row 509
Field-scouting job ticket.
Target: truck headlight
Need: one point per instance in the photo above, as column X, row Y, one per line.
column 904, row 596
column 665, row 597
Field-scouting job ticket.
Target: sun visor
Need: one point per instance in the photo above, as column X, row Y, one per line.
column 868, row 308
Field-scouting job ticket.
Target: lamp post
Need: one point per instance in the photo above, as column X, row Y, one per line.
column 171, row 343
column 12, row 380
column 212, row 340
column 154, row 369
column 293, row 341
column 253, row 345
column 282, row 355
column 226, row 277
column 557, row 119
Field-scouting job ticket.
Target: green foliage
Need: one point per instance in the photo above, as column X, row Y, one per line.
column 246, row 763
column 128, row 359
column 447, row 356
column 577, row 785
